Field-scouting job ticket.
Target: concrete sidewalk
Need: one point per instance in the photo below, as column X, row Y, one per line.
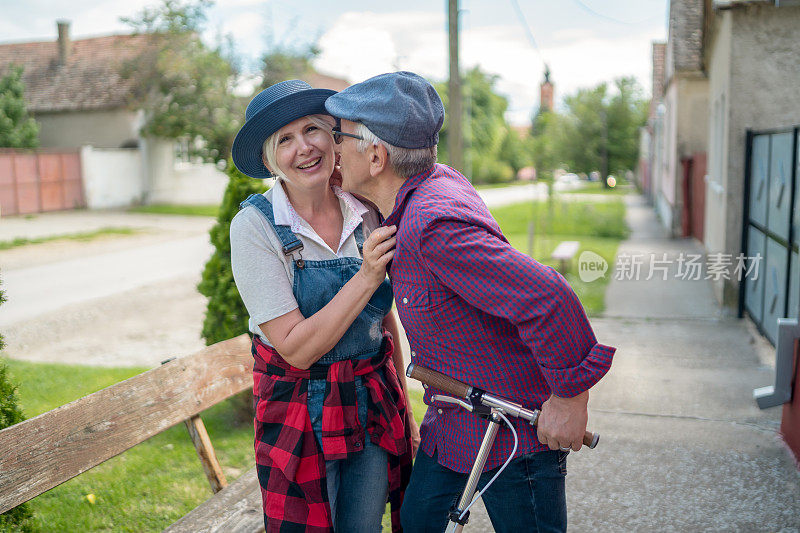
column 683, row 447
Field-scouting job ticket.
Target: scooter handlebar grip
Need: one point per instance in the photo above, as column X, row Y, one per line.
column 591, row 439
column 439, row 381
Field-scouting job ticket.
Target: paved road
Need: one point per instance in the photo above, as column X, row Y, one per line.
column 37, row 290
column 34, row 290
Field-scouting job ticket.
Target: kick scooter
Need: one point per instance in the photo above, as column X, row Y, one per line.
column 486, row 405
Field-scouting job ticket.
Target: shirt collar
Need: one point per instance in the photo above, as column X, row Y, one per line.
column 408, row 187
column 281, row 205
column 352, row 209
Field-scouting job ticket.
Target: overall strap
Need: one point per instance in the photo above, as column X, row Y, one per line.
column 288, row 239
column 358, row 233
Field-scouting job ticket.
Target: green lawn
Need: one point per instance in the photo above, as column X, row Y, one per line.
column 597, row 226
column 84, row 236
column 514, row 183
column 172, row 209
column 151, row 485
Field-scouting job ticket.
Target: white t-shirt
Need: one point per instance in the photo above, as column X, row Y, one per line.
column 263, row 274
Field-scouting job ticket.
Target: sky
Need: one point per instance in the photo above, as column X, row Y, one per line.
column 585, row 42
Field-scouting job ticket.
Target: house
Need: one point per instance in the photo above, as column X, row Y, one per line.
column 684, row 128
column 731, row 77
column 753, row 58
column 650, row 152
column 76, row 93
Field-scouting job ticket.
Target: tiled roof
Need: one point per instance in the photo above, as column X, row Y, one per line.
column 322, row 81
column 89, row 79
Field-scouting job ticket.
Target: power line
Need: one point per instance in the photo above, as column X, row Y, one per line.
column 612, row 19
column 527, row 28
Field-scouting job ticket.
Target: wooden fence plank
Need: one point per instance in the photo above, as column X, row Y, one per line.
column 43, row 452
column 235, row 509
column 205, row 450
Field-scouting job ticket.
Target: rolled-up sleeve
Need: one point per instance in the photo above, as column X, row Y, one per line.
column 488, row 273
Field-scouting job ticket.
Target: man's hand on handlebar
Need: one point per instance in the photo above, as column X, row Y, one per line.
column 562, row 422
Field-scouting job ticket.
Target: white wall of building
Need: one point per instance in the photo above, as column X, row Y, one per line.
column 111, row 177
column 719, row 71
column 178, row 182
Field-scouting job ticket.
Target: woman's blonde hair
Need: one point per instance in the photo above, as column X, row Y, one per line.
column 270, row 149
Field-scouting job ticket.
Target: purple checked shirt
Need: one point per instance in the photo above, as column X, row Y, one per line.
column 478, row 310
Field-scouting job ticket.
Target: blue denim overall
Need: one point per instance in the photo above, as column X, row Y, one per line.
column 315, row 284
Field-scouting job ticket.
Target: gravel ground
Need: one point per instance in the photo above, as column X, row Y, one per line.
column 139, row 327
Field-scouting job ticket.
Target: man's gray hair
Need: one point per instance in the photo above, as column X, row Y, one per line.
column 405, row 162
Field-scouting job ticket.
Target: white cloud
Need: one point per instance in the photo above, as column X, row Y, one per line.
column 360, row 45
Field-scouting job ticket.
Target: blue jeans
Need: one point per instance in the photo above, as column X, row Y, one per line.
column 357, row 486
column 528, row 496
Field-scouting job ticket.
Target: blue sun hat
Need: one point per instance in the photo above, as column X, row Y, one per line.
column 269, row 111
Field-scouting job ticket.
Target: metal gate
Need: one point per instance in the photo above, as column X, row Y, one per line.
column 772, row 228
column 35, row 181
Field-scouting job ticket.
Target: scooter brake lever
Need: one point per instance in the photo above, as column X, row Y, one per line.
column 450, row 399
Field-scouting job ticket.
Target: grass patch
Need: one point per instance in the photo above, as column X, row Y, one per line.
column 514, row 183
column 598, row 227
column 83, row 237
column 144, row 489
column 148, row 487
column 172, row 209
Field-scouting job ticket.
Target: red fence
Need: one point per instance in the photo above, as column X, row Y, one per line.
column 34, row 181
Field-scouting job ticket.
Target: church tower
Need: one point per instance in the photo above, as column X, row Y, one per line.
column 546, row 92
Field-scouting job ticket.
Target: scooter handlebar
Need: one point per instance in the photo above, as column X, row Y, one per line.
column 459, row 389
column 437, row 380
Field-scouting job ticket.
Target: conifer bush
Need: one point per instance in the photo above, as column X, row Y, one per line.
column 226, row 316
column 16, row 519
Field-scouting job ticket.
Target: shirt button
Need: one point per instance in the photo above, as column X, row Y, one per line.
column 439, row 411
column 405, row 300
column 413, row 353
column 356, row 445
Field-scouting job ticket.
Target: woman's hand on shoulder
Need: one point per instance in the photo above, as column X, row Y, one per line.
column 378, row 251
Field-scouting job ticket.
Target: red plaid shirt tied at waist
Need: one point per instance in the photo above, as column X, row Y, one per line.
column 287, row 454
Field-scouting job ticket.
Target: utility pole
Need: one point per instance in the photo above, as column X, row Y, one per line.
column 454, row 131
column 604, row 176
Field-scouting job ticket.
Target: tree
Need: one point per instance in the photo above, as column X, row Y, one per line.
column 600, row 132
column 283, row 63
column 493, row 152
column 17, row 129
column 16, row 519
column 226, row 315
column 545, row 143
column 583, row 143
column 183, row 86
column 626, row 113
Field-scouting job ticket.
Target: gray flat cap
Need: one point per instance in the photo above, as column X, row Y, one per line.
column 402, row 108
